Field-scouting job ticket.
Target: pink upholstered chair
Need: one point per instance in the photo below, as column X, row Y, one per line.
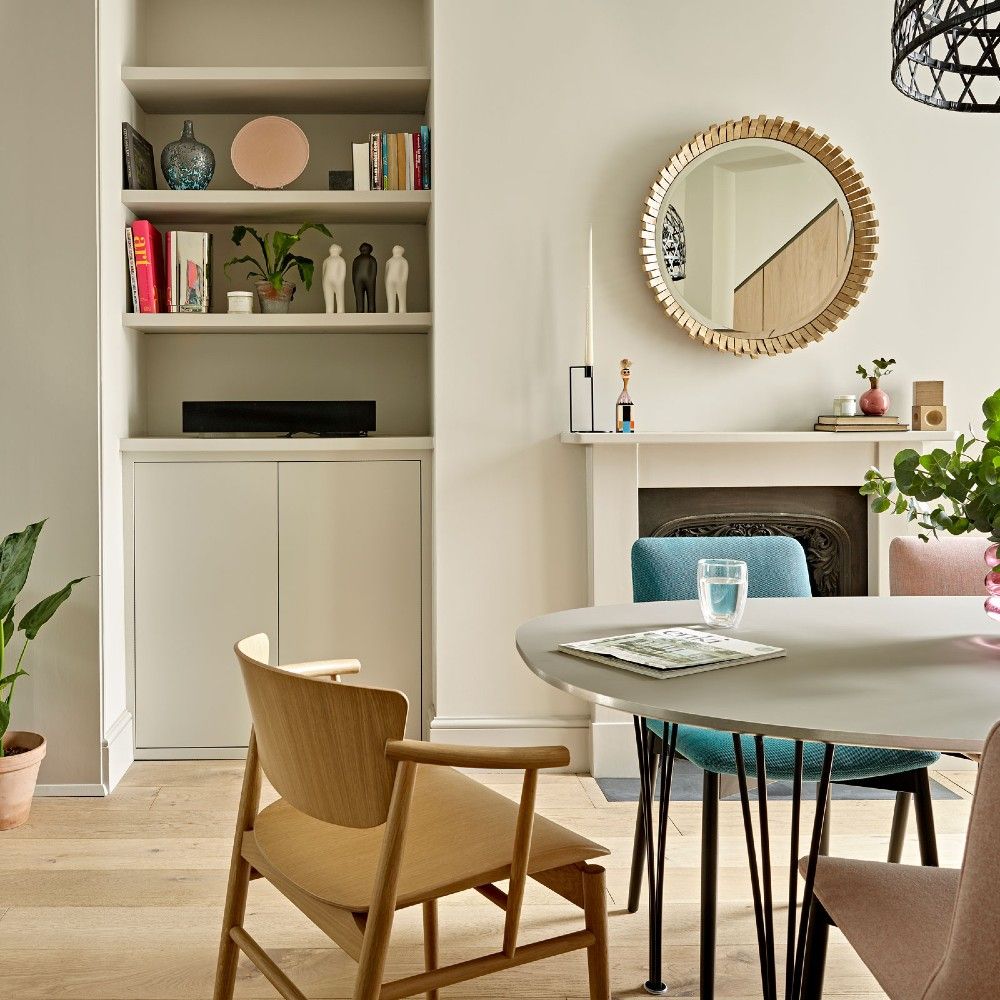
column 942, row 567
column 925, row 933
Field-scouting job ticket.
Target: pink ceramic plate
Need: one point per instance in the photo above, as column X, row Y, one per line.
column 270, row 152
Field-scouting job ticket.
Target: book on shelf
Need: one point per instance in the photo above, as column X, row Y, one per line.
column 147, row 254
column 671, row 652
column 859, row 421
column 840, row 427
column 138, row 162
column 188, row 269
column 397, row 161
column 362, row 174
column 132, row 281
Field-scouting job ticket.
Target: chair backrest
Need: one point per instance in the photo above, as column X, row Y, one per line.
column 322, row 744
column 971, row 963
column 666, row 569
column 942, row 567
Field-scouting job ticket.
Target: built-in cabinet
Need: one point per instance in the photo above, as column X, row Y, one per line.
column 326, row 557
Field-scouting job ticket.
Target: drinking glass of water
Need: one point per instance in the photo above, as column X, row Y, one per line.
column 722, row 591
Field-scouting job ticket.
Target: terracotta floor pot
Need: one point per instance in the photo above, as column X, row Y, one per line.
column 18, row 774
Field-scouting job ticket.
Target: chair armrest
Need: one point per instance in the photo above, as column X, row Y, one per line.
column 450, row 755
column 322, row 668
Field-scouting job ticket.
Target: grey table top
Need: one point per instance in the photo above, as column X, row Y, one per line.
column 919, row 673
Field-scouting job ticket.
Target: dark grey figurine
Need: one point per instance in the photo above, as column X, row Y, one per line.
column 363, row 275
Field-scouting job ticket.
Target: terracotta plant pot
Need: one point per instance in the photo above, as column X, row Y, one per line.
column 18, row 774
column 874, row 402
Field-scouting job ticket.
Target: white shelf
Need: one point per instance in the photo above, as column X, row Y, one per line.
column 216, row 323
column 281, row 89
column 279, row 206
column 758, row 437
column 270, row 445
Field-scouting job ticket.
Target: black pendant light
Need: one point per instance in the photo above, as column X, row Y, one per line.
column 944, row 53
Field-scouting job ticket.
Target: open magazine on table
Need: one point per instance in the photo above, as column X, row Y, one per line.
column 671, row 652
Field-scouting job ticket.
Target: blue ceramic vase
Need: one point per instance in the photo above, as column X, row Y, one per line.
column 187, row 165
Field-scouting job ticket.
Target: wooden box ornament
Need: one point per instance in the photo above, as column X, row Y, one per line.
column 929, row 412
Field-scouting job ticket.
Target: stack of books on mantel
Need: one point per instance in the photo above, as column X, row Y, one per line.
column 859, row 424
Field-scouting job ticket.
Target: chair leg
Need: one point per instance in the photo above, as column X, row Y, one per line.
column 900, row 817
column 924, row 808
column 814, row 967
column 824, row 842
column 431, row 941
column 709, row 882
column 639, row 840
column 595, row 912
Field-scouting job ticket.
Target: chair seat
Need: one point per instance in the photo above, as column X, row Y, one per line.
column 713, row 751
column 460, row 835
column 896, row 917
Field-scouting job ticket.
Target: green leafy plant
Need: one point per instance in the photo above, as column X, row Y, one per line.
column 880, row 367
column 955, row 491
column 276, row 257
column 16, row 553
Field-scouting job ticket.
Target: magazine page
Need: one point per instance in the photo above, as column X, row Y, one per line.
column 673, row 648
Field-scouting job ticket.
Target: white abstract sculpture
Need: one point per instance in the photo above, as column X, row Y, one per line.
column 397, row 270
column 334, row 274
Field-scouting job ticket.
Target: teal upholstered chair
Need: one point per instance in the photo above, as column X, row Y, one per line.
column 665, row 569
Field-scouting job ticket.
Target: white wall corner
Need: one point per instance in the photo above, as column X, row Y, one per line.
column 613, row 748
column 117, row 751
column 572, row 732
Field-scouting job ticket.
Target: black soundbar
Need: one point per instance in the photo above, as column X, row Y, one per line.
column 327, row 418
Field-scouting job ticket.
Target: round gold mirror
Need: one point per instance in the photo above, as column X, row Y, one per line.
column 759, row 236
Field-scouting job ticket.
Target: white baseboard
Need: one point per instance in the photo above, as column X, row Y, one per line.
column 572, row 732
column 613, row 749
column 116, row 751
column 69, row 791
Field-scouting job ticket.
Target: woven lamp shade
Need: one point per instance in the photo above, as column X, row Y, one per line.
column 944, row 53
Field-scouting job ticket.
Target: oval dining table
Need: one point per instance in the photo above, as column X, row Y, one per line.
column 914, row 673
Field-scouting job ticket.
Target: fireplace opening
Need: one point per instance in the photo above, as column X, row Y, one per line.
column 830, row 522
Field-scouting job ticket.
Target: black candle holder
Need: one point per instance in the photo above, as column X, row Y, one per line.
column 588, row 377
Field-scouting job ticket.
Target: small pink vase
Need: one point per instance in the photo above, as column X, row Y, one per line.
column 992, row 559
column 874, row 402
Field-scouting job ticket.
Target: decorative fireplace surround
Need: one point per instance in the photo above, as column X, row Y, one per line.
column 803, row 482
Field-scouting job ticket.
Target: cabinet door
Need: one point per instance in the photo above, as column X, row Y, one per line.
column 349, row 558
column 206, row 566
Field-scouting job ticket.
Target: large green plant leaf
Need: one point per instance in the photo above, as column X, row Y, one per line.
column 305, row 267
column 246, row 259
column 8, row 625
column 4, row 717
column 45, row 609
column 11, row 677
column 16, row 553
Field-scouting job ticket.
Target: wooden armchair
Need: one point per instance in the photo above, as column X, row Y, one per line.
column 369, row 823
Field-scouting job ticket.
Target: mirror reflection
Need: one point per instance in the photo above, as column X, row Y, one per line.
column 754, row 237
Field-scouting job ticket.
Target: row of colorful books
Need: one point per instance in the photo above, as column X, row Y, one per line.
column 394, row 161
column 168, row 274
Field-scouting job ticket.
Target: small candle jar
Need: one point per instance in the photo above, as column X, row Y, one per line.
column 845, row 406
column 240, row 302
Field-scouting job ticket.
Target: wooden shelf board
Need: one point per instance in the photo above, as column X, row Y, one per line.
column 279, row 89
column 279, row 206
column 264, row 446
column 757, row 437
column 215, row 323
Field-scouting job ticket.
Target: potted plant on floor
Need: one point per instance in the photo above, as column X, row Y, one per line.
column 20, row 753
column 955, row 491
column 274, row 293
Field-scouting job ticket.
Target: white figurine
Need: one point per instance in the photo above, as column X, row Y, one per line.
column 334, row 274
column 397, row 270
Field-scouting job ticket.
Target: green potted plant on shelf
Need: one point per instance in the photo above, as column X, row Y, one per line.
column 21, row 753
column 955, row 491
column 274, row 292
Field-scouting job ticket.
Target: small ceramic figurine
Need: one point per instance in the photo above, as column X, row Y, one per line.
column 363, row 274
column 334, row 275
column 397, row 270
column 624, row 418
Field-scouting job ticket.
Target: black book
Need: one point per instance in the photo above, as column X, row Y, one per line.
column 139, row 166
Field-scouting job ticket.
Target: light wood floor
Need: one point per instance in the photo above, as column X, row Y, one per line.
column 120, row 898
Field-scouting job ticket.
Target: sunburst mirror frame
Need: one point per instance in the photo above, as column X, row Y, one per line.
column 863, row 220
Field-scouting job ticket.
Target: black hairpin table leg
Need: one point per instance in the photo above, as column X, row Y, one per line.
column 655, row 849
column 760, row 881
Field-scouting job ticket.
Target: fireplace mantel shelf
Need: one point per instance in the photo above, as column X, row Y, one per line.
column 758, row 437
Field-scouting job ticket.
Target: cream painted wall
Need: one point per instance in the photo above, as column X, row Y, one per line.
column 48, row 364
column 549, row 116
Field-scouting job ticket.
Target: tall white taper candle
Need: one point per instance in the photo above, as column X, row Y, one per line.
column 588, row 352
